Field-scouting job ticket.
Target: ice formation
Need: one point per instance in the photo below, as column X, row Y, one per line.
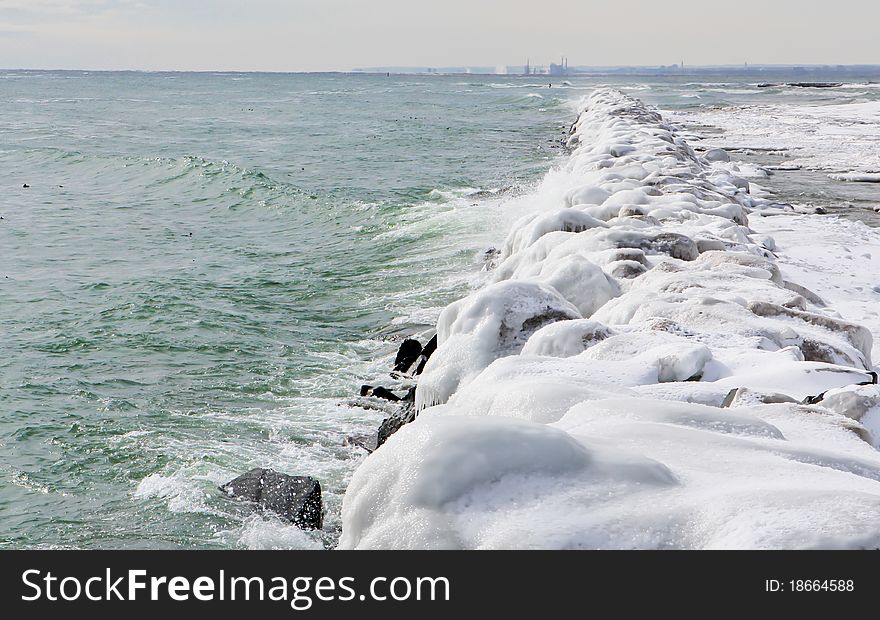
column 636, row 376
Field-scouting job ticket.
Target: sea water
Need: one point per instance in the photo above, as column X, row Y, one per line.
column 205, row 267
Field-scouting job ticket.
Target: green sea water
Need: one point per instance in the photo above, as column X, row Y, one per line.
column 204, row 267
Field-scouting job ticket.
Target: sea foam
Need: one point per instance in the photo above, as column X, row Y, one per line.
column 634, row 376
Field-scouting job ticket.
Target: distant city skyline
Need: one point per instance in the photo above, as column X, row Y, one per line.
column 298, row 35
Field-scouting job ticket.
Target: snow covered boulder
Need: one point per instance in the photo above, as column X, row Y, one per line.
column 580, row 281
column 675, row 245
column 490, row 323
column 566, row 338
column 853, row 401
column 504, row 390
column 713, row 155
column 625, row 269
column 529, row 229
column 448, row 482
column 674, row 358
column 854, row 342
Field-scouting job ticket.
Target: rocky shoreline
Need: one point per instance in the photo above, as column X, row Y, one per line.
column 637, row 374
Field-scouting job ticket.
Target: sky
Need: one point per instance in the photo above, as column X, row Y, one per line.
column 327, row 35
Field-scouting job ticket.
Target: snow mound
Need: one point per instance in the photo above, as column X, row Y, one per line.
column 491, row 323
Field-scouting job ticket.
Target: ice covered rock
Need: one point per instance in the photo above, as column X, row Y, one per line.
column 513, row 387
column 490, row 323
column 818, row 349
column 566, row 338
column 745, row 397
column 675, row 245
column 853, row 401
column 626, row 269
column 674, row 358
column 713, row 155
column 531, row 228
column 418, row 493
column 580, row 281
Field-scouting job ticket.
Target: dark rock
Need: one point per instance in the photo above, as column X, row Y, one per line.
column 407, row 354
column 367, row 442
column 802, row 84
column 295, row 498
column 372, row 404
column 812, row 400
column 392, row 424
column 379, row 392
column 815, row 84
column 426, row 354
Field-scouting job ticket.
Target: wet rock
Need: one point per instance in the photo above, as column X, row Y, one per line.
column 379, row 392
column 815, row 84
column 407, row 355
column 426, row 354
column 295, row 498
column 395, row 421
column 368, row 442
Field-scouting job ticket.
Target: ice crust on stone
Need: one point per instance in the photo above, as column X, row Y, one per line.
column 635, row 373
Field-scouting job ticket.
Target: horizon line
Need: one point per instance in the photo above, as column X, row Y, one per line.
column 428, row 70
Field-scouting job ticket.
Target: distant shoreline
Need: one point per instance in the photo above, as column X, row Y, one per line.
column 855, row 71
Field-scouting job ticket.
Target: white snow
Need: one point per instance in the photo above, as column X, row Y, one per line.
column 842, row 138
column 491, row 323
column 632, row 376
column 857, row 177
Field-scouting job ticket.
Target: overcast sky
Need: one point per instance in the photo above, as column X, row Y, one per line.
column 318, row 35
